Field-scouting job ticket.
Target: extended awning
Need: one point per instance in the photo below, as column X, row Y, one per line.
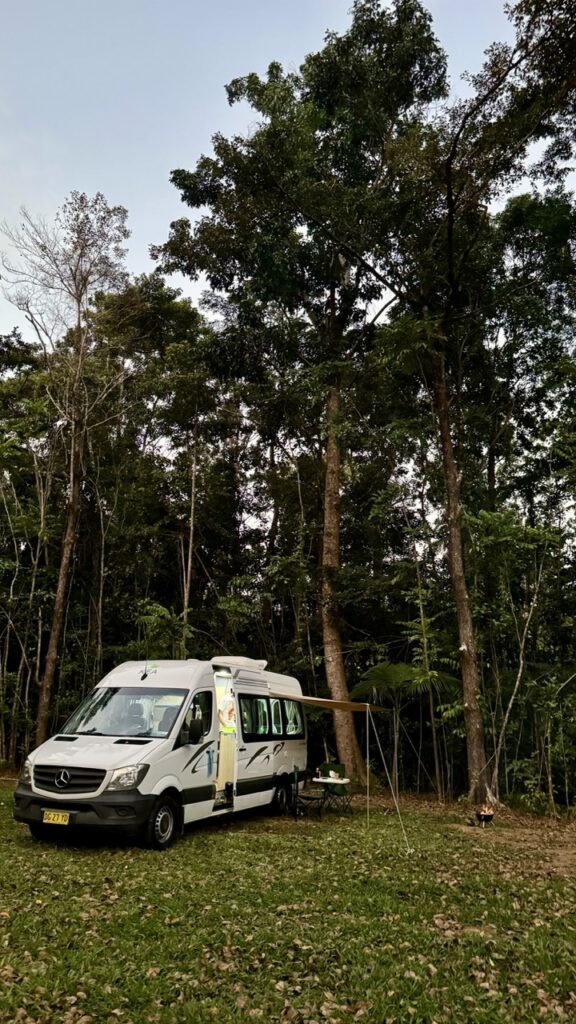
column 325, row 702
column 352, row 705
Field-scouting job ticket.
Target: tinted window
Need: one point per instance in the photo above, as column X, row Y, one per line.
column 254, row 717
column 264, row 718
column 276, row 716
column 294, row 719
column 201, row 707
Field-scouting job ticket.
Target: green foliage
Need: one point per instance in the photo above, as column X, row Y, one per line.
column 388, row 680
column 162, row 630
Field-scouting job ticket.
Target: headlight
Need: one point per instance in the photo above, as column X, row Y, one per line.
column 26, row 773
column 128, row 778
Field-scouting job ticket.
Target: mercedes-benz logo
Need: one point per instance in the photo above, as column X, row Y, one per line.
column 62, row 778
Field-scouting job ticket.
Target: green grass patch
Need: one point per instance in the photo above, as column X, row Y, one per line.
column 278, row 920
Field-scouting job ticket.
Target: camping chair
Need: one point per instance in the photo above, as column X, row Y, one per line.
column 304, row 802
column 336, row 794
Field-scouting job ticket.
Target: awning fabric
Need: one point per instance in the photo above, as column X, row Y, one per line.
column 324, row 702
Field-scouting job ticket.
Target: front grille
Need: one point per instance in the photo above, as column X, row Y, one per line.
column 72, row 780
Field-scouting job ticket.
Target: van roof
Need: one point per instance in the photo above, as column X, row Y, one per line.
column 153, row 673
column 179, row 673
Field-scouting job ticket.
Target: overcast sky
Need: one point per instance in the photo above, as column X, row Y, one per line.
column 111, row 96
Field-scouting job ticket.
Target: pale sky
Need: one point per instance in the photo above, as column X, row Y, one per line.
column 111, row 96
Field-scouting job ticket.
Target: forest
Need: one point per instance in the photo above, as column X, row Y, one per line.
column 356, row 457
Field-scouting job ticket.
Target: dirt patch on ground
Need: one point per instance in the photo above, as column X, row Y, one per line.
column 551, row 845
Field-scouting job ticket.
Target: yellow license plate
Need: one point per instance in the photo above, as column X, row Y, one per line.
column 56, row 817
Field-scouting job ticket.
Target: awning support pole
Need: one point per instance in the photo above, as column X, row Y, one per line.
column 367, row 767
column 409, row 849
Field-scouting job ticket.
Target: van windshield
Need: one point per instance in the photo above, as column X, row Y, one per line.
column 127, row 711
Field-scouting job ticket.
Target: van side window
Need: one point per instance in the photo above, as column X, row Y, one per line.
column 276, row 716
column 294, row 721
column 254, row 717
column 201, row 707
column 270, row 718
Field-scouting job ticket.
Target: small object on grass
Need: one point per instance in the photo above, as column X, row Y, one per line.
column 485, row 815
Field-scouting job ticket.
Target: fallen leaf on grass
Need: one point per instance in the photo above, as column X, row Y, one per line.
column 484, row 930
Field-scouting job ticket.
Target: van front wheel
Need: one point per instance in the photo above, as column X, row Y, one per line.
column 163, row 823
column 47, row 833
column 38, row 831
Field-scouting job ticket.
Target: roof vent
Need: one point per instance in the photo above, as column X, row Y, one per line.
column 237, row 661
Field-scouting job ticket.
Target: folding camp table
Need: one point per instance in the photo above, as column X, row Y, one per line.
column 336, row 794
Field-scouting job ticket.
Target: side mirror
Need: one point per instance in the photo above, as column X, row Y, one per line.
column 191, row 732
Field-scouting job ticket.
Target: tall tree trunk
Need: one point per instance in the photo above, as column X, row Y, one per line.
column 77, row 440
column 476, row 753
column 522, row 641
column 395, row 748
column 347, row 744
column 93, row 663
column 58, row 613
column 427, row 669
column 188, row 550
column 549, row 781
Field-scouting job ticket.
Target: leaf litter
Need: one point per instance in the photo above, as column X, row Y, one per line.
column 324, row 922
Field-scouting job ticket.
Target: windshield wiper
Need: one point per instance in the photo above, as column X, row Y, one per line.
column 90, row 732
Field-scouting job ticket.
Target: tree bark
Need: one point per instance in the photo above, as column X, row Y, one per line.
column 395, row 748
column 476, row 753
column 347, row 744
column 68, row 542
column 77, row 441
column 187, row 552
column 426, row 661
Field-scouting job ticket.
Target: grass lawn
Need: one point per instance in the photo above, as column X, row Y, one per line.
column 308, row 921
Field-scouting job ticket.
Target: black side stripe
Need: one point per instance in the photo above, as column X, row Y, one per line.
column 257, row 754
column 246, row 787
column 197, row 754
column 197, row 794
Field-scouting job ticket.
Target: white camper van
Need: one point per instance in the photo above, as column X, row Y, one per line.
column 157, row 745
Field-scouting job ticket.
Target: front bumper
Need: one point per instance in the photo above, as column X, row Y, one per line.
column 127, row 811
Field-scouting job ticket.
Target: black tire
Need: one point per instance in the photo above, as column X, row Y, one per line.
column 47, row 833
column 282, row 802
column 163, row 824
column 38, row 831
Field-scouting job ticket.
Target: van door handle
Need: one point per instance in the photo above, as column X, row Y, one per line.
column 241, row 748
